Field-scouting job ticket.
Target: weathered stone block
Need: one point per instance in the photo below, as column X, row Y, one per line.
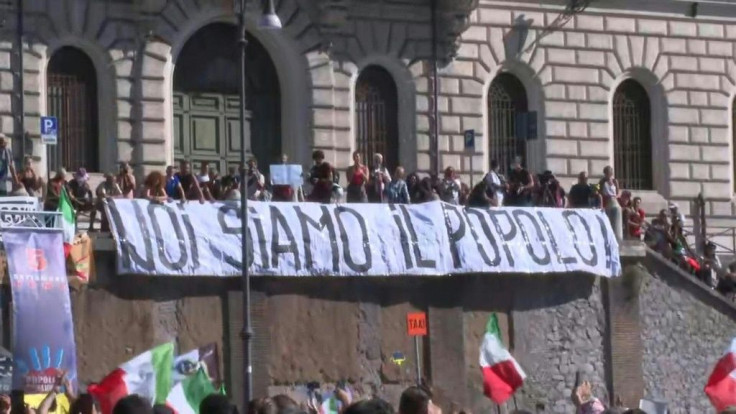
column 713, row 117
column 698, row 134
column 678, row 97
column 680, row 28
column 573, row 39
column 712, row 65
column 719, row 135
column 700, row 171
column 620, row 24
column 684, row 188
column 684, row 63
column 696, row 46
column 476, row 33
column 680, row 152
column 450, row 124
column 673, row 45
column 720, row 48
column 565, row 147
column 679, row 170
column 697, row 81
column 714, row 154
column 680, row 115
column 710, row 30
column 576, row 92
column 721, row 172
column 600, row 41
column 557, row 165
column 564, row 56
column 651, row 26
column 717, row 190
column 576, row 166
column 576, row 75
column 449, row 86
column 578, row 129
column 594, row 148
column 598, row 129
column 588, row 22
column 555, row 91
column 472, row 122
column 556, row 128
column 495, row 16
column 698, row 98
column 470, row 106
column 560, row 109
column 591, row 58
column 553, row 39
column 596, row 112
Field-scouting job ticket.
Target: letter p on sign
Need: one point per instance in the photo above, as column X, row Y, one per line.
column 416, row 324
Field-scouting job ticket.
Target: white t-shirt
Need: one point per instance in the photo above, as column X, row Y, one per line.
column 493, row 179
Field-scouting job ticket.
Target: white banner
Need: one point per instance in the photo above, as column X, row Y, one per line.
column 307, row 239
column 17, row 205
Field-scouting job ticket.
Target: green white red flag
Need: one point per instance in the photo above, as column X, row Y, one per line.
column 148, row 375
column 186, row 396
column 67, row 220
column 721, row 386
column 502, row 375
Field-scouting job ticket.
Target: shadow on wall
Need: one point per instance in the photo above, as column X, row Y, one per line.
column 476, row 292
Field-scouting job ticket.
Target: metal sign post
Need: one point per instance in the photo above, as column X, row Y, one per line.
column 416, row 326
column 469, row 141
column 49, row 136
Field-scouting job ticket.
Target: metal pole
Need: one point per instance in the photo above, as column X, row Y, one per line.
column 416, row 358
column 19, row 35
column 247, row 333
column 435, row 93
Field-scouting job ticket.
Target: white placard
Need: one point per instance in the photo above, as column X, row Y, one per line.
column 17, row 205
column 308, row 239
column 286, row 174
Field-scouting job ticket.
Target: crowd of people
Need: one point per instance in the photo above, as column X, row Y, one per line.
column 414, row 400
column 376, row 184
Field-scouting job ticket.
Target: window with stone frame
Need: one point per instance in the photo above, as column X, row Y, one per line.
column 632, row 137
column 376, row 116
column 506, row 99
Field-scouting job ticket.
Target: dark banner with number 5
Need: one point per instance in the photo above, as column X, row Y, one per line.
column 43, row 341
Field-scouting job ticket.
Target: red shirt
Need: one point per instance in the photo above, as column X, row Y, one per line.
column 638, row 218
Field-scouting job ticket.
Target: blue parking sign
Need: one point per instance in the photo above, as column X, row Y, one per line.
column 49, row 130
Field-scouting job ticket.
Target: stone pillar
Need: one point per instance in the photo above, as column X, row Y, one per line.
column 447, row 355
column 624, row 347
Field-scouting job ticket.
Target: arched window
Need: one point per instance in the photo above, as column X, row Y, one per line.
column 632, row 138
column 376, row 112
column 506, row 99
column 207, row 104
column 72, row 98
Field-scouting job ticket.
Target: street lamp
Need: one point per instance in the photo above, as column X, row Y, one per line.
column 268, row 20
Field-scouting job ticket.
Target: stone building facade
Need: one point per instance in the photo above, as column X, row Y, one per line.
column 646, row 86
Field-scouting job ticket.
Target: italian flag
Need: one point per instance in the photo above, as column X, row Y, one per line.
column 148, row 375
column 67, row 220
column 502, row 376
column 186, row 396
column 721, row 386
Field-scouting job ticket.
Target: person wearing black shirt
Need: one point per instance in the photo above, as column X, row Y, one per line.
column 581, row 194
column 189, row 182
column 521, row 185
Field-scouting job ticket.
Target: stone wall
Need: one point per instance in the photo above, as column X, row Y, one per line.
column 685, row 330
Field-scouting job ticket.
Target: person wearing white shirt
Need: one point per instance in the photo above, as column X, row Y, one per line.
column 496, row 183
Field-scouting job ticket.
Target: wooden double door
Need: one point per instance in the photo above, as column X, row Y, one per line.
column 207, row 129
